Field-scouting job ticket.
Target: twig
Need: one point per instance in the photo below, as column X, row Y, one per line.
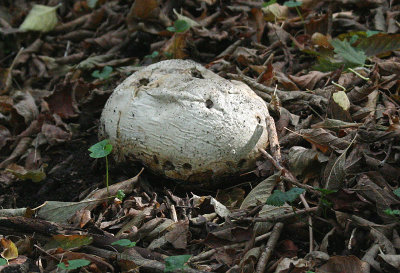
column 313, row 99
column 45, row 252
column 280, row 218
column 288, row 176
column 329, row 27
column 310, row 223
column 209, row 253
column 273, row 139
column 266, row 255
column 173, row 214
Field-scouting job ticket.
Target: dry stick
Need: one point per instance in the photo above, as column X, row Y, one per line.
column 287, row 176
column 310, row 223
column 280, row 218
column 273, row 138
column 276, row 233
column 330, row 19
column 174, row 216
column 313, row 99
column 209, row 253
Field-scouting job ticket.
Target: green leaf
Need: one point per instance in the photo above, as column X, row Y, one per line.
column 41, row 18
column 293, row 194
column 372, row 32
column 100, row 149
column 397, row 192
column 173, row 263
column 266, row 4
column 172, row 29
column 74, row 264
column 392, row 212
column 179, row 26
column 276, row 199
column 92, row 3
column 153, row 55
column 353, row 39
column 348, row 53
column 279, row 198
column 68, row 241
column 3, row 261
column 292, row 4
column 104, row 74
column 120, row 195
column 124, row 242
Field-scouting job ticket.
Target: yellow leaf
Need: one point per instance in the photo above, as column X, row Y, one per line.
column 10, row 250
column 41, row 18
column 342, row 100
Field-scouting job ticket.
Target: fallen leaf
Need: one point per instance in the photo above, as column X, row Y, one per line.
column 344, row 264
column 10, row 251
column 41, row 18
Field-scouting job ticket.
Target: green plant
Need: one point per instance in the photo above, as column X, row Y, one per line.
column 173, row 263
column 120, row 195
column 279, row 198
column 124, row 242
column 179, row 26
column 3, row 261
column 395, row 212
column 266, row 4
column 99, row 150
column 73, row 264
column 153, row 55
column 104, row 74
column 391, row 212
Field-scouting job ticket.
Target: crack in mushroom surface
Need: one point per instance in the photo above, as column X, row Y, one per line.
column 185, row 122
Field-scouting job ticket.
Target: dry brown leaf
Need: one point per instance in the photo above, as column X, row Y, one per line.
column 344, row 264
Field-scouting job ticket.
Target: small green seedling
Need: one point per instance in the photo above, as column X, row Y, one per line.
column 124, row 242
column 391, row 212
column 73, row 264
column 279, row 198
column 99, row 150
column 173, row 263
column 180, row 26
column 266, row 4
column 104, row 74
column 395, row 212
column 120, row 195
column 153, row 55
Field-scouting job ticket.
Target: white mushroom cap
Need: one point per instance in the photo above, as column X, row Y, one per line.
column 185, row 122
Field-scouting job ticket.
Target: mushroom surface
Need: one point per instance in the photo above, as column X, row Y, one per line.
column 183, row 121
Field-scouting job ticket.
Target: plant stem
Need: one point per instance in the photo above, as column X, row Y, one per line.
column 358, row 74
column 301, row 17
column 108, row 191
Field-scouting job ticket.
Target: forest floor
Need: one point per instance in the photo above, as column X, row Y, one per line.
column 326, row 199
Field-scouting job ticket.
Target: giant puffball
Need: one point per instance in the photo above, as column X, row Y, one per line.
column 183, row 121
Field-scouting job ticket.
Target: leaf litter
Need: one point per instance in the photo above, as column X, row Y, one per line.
column 326, row 199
